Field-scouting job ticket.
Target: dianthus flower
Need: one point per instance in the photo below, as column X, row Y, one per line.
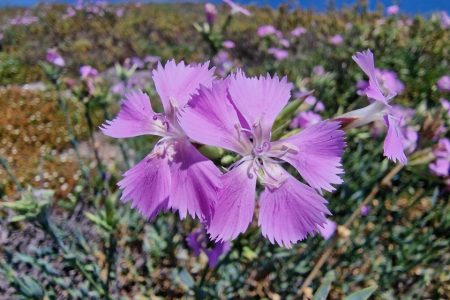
column 175, row 175
column 380, row 109
column 238, row 114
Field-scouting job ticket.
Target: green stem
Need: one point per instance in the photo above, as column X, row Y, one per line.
column 8, row 170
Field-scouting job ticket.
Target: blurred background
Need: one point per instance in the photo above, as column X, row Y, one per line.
column 64, row 68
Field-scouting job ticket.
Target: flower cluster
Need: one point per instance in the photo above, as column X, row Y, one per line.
column 236, row 113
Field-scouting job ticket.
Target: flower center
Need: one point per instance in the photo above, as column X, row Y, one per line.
column 164, row 149
column 264, row 157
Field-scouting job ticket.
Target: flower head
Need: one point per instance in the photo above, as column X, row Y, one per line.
column 228, row 44
column 298, row 31
column 336, row 39
column 266, row 30
column 238, row 114
column 441, row 166
column 443, row 83
column 393, row 10
column 198, row 243
column 210, row 13
column 379, row 110
column 88, row 72
column 174, row 175
column 55, row 58
column 305, row 119
column 328, row 229
column 237, row 9
column 445, row 20
column 279, row 54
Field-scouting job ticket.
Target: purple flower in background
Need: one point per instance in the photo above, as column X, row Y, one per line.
column 303, row 94
column 266, row 30
column 443, row 83
column 88, row 74
column 284, row 42
column 133, row 62
column 25, row 20
column 379, row 110
column 151, row 59
column 228, row 44
column 310, row 100
column 445, row 20
column 319, row 70
column 445, row 105
column 237, row 9
column 390, row 81
column 336, row 39
column 55, row 58
column 365, row 210
column 223, row 63
column 120, row 11
column 2, row 36
column 305, row 119
column 210, row 13
column 393, row 10
column 87, row 71
column 238, row 114
column 319, row 106
column 198, row 242
column 70, row 12
column 298, row 31
column 175, row 175
column 328, row 229
column 278, row 53
column 441, row 166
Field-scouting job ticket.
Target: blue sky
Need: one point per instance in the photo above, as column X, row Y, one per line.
column 409, row 6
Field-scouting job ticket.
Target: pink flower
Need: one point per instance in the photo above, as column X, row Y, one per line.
column 379, row 110
column 284, row 42
column 319, row 106
column 443, row 84
column 305, row 119
column 336, row 39
column 319, row 70
column 70, row 12
column 198, row 242
column 393, row 10
column 278, row 53
column 120, row 11
column 238, row 114
column 445, row 105
column 228, row 44
column 365, row 210
column 328, row 229
column 237, row 9
column 441, row 166
column 445, row 20
column 210, row 13
column 298, row 31
column 266, row 30
column 53, row 57
column 88, row 72
column 175, row 175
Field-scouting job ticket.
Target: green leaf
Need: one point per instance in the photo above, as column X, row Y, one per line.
column 362, row 294
column 325, row 287
column 98, row 221
column 186, row 278
column 30, row 288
